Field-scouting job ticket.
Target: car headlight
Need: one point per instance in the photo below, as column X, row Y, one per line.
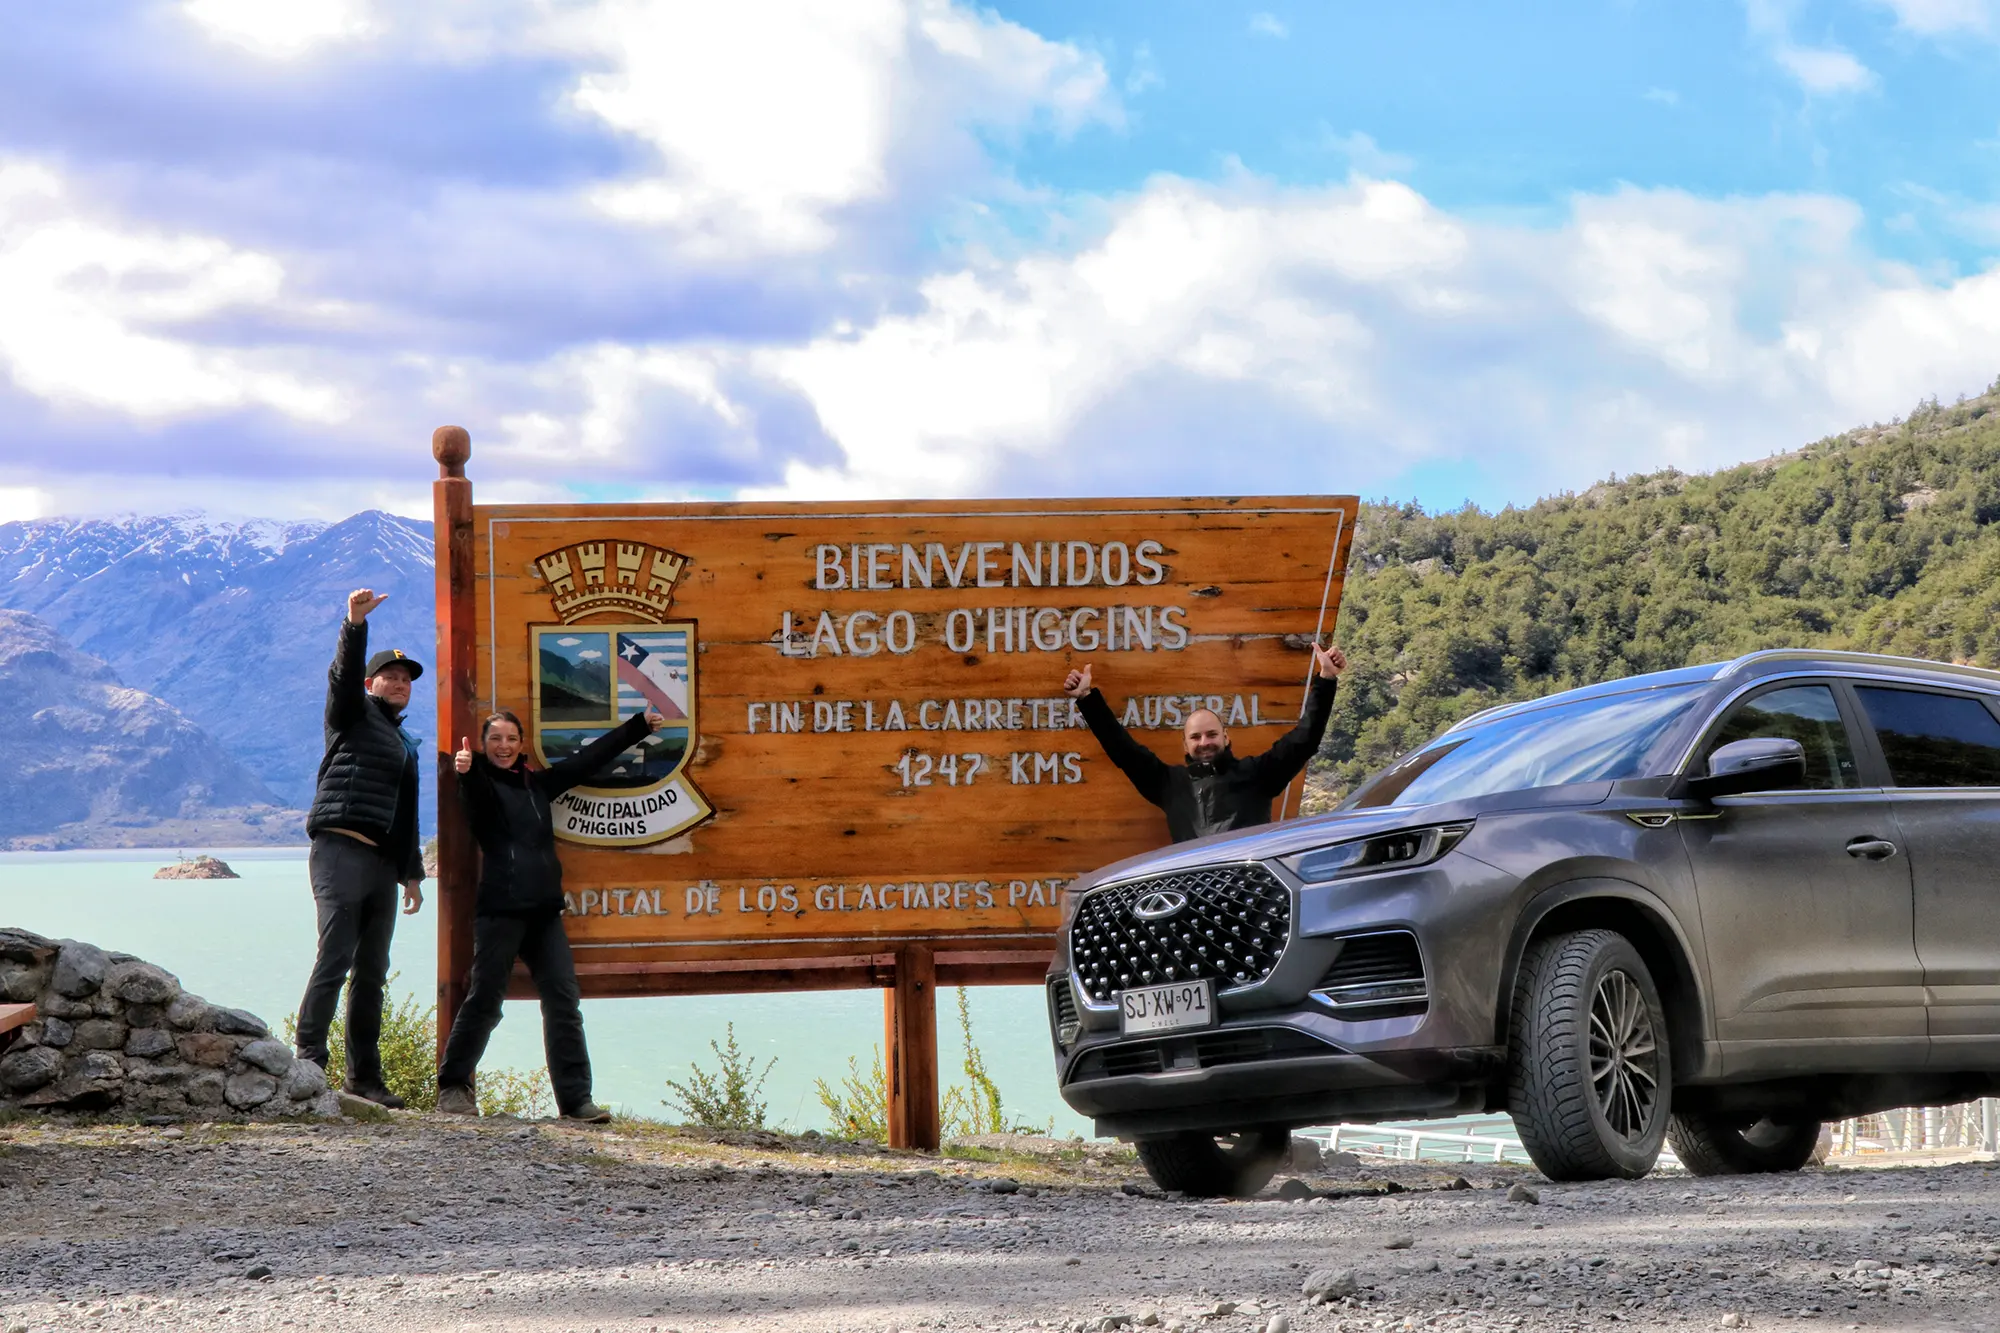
column 1381, row 851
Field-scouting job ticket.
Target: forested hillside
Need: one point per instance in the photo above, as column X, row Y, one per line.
column 1885, row 539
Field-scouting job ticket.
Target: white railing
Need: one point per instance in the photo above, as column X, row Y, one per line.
column 1412, row 1144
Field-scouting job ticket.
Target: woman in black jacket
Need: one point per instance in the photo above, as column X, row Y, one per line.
column 518, row 913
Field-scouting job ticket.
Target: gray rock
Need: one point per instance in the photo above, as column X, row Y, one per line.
column 159, row 1100
column 1341, row 1161
column 26, row 1070
column 273, row 1057
column 305, row 1080
column 190, row 1013
column 20, row 983
column 1306, row 1155
column 327, row 1104
column 240, row 1022
column 56, row 1032
column 148, row 1043
column 100, row 1034
column 141, row 983
column 204, row 1088
column 147, row 1072
column 80, row 969
column 1293, row 1190
column 1277, row 1323
column 91, row 1081
column 248, row 1089
column 1402, row 1242
column 52, row 1005
column 24, row 946
column 1004, row 1185
column 1522, row 1194
column 1330, row 1284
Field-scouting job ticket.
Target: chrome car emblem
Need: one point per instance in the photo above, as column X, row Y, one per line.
column 1159, row 905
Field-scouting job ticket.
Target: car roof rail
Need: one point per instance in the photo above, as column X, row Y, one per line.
column 1837, row 657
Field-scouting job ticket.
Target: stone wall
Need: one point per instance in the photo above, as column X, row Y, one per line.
column 116, row 1034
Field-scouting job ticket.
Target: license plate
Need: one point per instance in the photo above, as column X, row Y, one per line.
column 1185, row 1004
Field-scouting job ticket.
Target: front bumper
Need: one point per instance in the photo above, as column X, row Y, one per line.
column 1259, row 1073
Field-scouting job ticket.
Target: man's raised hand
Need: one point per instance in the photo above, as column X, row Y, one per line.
column 655, row 719
column 361, row 601
column 1077, row 683
column 1329, row 661
column 462, row 761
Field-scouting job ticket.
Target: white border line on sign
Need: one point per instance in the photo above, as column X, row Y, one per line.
column 1319, row 626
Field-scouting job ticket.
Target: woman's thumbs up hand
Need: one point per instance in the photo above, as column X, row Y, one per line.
column 462, row 761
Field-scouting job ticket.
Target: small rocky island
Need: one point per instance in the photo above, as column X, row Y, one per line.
column 196, row 867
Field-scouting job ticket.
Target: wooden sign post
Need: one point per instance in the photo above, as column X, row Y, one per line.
column 869, row 775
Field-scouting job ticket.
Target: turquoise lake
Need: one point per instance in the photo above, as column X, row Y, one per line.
column 249, row 943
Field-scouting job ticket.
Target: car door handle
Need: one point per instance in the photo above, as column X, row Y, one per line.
column 1872, row 849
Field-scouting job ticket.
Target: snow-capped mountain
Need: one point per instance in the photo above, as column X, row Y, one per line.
column 94, row 763
column 233, row 623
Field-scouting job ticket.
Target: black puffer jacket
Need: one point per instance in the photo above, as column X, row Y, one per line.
column 1227, row 793
column 510, row 816
column 368, row 779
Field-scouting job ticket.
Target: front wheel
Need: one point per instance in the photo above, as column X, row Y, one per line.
column 1589, row 1073
column 1710, row 1145
column 1208, row 1166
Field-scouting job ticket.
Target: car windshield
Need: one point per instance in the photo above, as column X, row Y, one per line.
column 1590, row 740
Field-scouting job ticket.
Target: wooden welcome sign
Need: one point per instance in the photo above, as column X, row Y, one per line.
column 869, row 774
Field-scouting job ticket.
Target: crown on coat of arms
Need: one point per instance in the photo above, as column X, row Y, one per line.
column 631, row 578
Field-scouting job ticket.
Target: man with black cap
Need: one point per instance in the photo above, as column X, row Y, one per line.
column 363, row 825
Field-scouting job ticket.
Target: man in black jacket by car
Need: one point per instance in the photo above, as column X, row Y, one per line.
column 363, row 825
column 1213, row 791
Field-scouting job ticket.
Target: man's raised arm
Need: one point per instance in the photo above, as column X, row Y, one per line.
column 1146, row 769
column 347, row 678
column 1288, row 756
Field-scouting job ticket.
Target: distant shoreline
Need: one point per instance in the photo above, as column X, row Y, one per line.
column 160, row 855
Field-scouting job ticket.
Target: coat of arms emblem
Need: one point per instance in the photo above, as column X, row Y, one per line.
column 590, row 674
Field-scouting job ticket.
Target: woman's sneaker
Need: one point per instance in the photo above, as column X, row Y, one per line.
column 457, row 1100
column 590, row 1113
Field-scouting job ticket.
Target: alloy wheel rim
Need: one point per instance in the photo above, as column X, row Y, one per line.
column 1624, row 1056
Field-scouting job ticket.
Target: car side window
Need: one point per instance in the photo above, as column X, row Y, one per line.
column 1803, row 713
column 1934, row 740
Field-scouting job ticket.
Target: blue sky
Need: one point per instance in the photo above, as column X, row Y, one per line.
column 251, row 253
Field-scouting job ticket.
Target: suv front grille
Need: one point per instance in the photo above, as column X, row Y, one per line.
column 1232, row 928
column 1228, row 1046
column 1376, row 976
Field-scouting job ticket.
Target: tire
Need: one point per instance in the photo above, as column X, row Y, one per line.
column 1590, row 1073
column 1710, row 1145
column 1209, row 1166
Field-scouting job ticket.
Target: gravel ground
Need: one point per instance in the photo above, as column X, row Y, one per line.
column 421, row 1224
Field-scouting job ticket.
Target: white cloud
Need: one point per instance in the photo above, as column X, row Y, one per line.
column 1935, row 18
column 1664, row 96
column 771, row 116
column 282, row 28
column 1825, row 70
column 1339, row 338
column 1269, row 25
column 89, row 311
column 18, row 503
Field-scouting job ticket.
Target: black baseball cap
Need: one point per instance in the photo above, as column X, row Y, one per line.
column 389, row 657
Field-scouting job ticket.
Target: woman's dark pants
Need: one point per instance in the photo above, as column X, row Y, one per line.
column 538, row 941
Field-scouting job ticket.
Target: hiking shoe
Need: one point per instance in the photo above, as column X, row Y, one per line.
column 375, row 1092
column 590, row 1113
column 457, row 1100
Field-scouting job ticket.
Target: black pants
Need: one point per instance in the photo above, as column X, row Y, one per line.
column 537, row 940
column 354, row 888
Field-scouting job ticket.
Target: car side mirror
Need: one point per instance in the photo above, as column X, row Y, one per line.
column 1761, row 763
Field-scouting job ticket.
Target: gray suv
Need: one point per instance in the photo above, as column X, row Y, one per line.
column 1714, row 906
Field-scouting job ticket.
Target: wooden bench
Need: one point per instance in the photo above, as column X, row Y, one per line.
column 12, row 1018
